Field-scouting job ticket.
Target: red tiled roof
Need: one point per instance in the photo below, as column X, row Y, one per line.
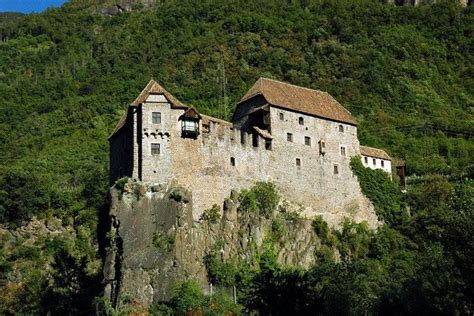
column 299, row 99
column 374, row 152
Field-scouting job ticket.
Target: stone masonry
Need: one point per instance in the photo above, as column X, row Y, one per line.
column 298, row 138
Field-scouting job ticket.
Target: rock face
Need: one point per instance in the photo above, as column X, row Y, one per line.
column 155, row 244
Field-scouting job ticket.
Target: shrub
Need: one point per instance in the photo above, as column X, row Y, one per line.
column 120, row 183
column 381, row 191
column 278, row 229
column 262, row 198
column 212, row 214
column 187, row 295
column 219, row 272
column 163, row 241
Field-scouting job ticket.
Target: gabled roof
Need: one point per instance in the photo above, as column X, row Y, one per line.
column 119, row 125
column 374, row 152
column 154, row 88
column 190, row 112
column 299, row 99
column 151, row 88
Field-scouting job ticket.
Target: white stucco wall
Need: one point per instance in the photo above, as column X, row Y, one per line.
column 387, row 164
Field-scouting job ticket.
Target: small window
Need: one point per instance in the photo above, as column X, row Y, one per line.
column 242, row 137
column 336, row 169
column 156, row 117
column 155, row 149
column 282, row 116
column 298, row 163
column 307, row 140
column 382, row 163
column 322, row 147
column 289, row 137
column 366, row 160
column 343, row 151
column 232, row 161
column 301, row 120
column 255, row 140
column 341, row 128
column 268, row 144
column 374, row 161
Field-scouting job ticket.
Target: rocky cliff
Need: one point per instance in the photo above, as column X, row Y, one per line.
column 155, row 244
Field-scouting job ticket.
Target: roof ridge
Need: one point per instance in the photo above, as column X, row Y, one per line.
column 293, row 85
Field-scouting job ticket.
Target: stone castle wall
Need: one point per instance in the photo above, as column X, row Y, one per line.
column 203, row 165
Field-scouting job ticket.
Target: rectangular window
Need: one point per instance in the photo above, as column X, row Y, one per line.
column 255, row 140
column 366, row 160
column 282, row 116
column 382, row 163
column 156, row 117
column 322, row 147
column 155, row 149
column 307, row 140
column 232, row 161
column 289, row 137
column 374, row 161
column 301, row 120
column 298, row 163
column 336, row 169
column 343, row 151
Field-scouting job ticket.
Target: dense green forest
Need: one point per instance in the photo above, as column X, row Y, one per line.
column 406, row 73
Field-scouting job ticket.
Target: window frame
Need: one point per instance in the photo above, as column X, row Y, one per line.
column 157, row 119
column 343, row 150
column 307, row 140
column 335, row 169
column 289, row 137
column 298, row 163
column 155, row 149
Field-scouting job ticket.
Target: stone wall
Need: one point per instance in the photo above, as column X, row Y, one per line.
column 203, row 165
column 315, row 184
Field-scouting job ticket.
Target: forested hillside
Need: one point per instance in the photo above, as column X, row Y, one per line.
column 406, row 73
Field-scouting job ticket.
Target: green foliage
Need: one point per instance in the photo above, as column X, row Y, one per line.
column 381, row 191
column 120, row 183
column 262, row 198
column 278, row 230
column 188, row 295
column 220, row 271
column 212, row 215
column 67, row 74
column 163, row 241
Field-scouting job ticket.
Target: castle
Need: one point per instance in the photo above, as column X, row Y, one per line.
column 298, row 138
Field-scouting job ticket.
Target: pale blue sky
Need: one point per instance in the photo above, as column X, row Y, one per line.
column 28, row 6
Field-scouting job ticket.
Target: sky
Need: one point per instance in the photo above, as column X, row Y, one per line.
column 28, row 6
